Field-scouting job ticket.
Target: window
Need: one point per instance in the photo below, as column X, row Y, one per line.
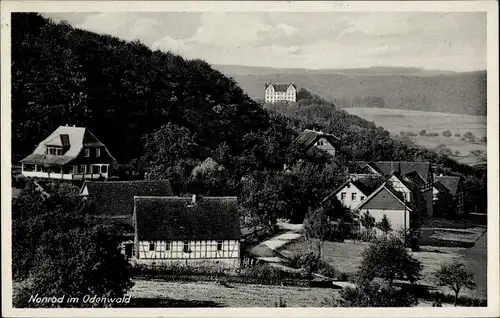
column 186, row 247
column 362, row 198
column 219, row 245
column 342, row 196
column 87, row 152
column 353, row 196
column 151, row 246
column 52, row 151
column 95, row 169
column 98, row 152
column 83, row 168
column 59, row 152
column 104, row 169
column 167, row 245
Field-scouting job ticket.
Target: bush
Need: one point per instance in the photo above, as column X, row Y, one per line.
column 19, row 181
column 411, row 134
column 280, row 302
column 447, row 133
column 458, row 135
column 374, row 295
column 422, row 132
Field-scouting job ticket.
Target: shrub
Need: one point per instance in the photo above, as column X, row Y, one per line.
column 327, row 270
column 389, row 259
column 458, row 135
column 447, row 133
column 422, row 132
column 374, row 295
column 19, row 181
column 280, row 302
column 411, row 134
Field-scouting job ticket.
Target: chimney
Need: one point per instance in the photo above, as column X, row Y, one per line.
column 74, row 125
column 193, row 199
column 66, row 125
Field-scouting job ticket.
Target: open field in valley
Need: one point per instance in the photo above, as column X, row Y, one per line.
column 397, row 120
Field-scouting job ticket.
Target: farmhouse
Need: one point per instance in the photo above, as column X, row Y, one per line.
column 280, row 92
column 69, row 153
column 113, row 203
column 385, row 200
column 355, row 190
column 418, row 173
column 448, row 196
column 310, row 141
column 195, row 231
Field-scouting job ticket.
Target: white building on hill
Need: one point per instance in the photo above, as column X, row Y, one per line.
column 280, row 92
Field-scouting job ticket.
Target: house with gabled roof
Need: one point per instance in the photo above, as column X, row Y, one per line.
column 275, row 92
column 355, row 190
column 69, row 153
column 419, row 174
column 448, row 196
column 317, row 144
column 112, row 202
column 194, row 231
column 386, row 200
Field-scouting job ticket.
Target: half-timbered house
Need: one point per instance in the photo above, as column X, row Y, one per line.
column 194, row 231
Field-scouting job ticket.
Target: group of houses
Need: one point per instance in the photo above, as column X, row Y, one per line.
column 158, row 227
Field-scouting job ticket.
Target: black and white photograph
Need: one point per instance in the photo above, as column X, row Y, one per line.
column 239, row 155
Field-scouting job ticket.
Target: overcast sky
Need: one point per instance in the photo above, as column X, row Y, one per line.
column 445, row 41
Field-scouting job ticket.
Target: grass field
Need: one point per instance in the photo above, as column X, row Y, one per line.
column 346, row 257
column 212, row 294
column 397, row 120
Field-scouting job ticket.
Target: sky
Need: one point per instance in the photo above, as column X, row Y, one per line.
column 430, row 40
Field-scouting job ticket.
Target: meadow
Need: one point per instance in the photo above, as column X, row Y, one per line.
column 398, row 120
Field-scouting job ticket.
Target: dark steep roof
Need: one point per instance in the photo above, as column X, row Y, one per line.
column 308, row 137
column 177, row 218
column 116, row 198
column 389, row 167
column 449, row 182
column 280, row 87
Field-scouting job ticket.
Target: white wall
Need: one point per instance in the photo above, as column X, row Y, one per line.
column 348, row 201
column 396, row 217
column 199, row 250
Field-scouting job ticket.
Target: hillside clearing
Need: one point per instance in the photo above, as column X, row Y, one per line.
column 397, row 120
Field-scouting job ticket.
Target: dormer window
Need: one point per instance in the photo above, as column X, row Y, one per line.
column 54, row 151
column 98, row 152
column 87, row 152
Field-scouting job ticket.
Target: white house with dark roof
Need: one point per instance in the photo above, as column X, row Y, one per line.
column 194, row 231
column 385, row 200
column 69, row 153
column 280, row 92
column 419, row 174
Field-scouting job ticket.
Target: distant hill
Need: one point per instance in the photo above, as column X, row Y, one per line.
column 383, row 87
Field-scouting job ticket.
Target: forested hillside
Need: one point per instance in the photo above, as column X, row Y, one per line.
column 399, row 88
column 162, row 115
